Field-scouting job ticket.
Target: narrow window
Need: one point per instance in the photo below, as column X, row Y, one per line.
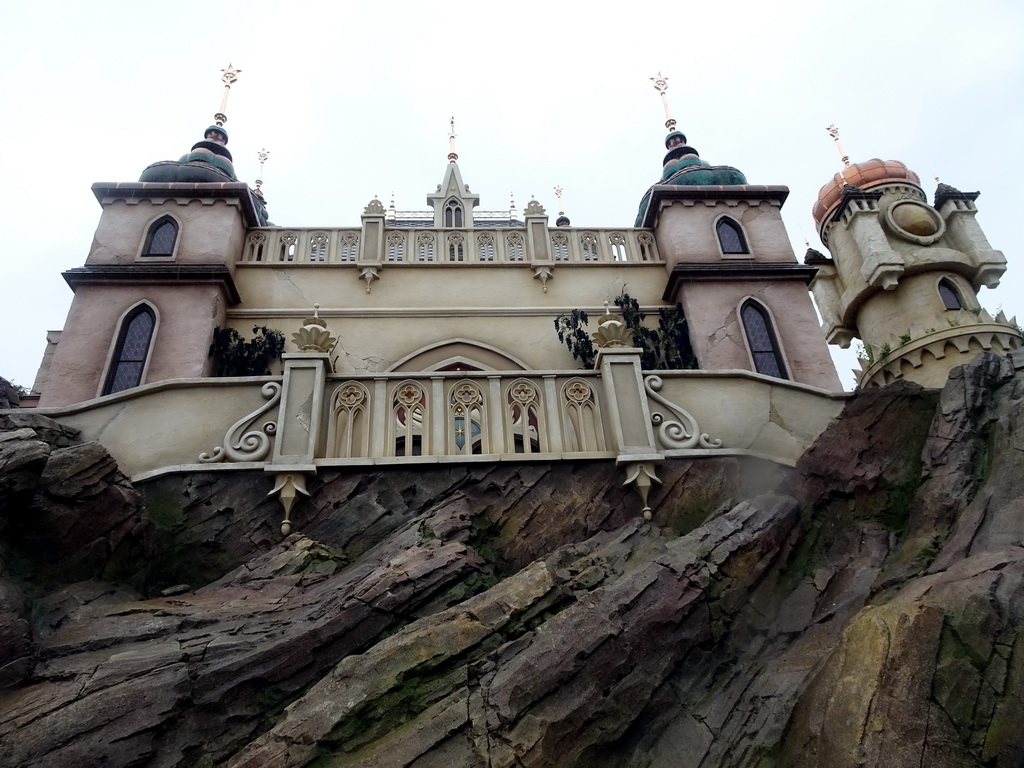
column 730, row 236
column 161, row 237
column 949, row 294
column 452, row 214
column 764, row 348
column 132, row 348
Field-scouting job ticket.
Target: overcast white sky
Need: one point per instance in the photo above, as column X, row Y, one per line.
column 353, row 101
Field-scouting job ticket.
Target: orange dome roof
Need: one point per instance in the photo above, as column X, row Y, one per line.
column 865, row 175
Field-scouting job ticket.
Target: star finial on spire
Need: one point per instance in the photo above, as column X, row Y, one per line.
column 558, row 196
column 834, row 133
column 452, row 157
column 228, row 76
column 661, row 85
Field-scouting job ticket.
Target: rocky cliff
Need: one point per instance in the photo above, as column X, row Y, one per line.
column 862, row 609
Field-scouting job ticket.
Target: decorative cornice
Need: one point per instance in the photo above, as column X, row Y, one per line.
column 750, row 270
column 151, row 274
column 107, row 192
column 661, row 193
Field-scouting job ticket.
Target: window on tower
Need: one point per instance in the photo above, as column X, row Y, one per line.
column 161, row 237
column 132, row 348
column 761, row 339
column 949, row 294
column 730, row 236
column 452, row 214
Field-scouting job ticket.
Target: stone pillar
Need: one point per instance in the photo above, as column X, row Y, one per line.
column 300, row 423
column 625, row 410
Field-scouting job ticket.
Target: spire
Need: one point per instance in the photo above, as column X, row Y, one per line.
column 661, row 85
column 452, row 157
column 834, row 133
column 229, row 76
column 262, row 156
column 562, row 220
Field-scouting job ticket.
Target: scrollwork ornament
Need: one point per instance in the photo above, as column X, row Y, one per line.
column 676, row 434
column 248, row 446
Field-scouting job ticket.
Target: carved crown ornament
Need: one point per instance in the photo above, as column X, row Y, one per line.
column 611, row 331
column 314, row 336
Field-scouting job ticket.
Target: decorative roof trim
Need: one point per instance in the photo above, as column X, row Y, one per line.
column 706, row 271
column 106, row 192
column 154, row 274
column 661, row 193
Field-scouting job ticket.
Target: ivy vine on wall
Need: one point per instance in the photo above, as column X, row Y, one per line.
column 237, row 356
column 666, row 347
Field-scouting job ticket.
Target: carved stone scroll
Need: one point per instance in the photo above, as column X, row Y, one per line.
column 683, row 433
column 248, row 446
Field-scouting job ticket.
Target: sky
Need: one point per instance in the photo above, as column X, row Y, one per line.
column 353, row 102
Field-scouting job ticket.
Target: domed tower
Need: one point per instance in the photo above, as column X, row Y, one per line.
column 159, row 275
column 732, row 268
column 904, row 275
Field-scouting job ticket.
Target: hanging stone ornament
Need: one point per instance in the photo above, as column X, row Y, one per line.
column 314, row 335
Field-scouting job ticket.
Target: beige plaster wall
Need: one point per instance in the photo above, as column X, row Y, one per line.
column 186, row 316
column 413, row 306
column 190, row 417
column 209, row 231
column 686, row 231
column 749, row 413
column 914, row 308
column 746, row 411
column 712, row 310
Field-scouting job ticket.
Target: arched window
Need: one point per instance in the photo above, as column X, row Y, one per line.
column 452, row 214
column 161, row 237
column 949, row 294
column 132, row 348
column 730, row 236
column 764, row 348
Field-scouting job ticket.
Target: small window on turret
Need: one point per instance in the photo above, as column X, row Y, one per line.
column 949, row 294
column 730, row 236
column 452, row 214
column 161, row 238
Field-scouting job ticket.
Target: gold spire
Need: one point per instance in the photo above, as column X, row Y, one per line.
column 229, row 76
column 262, row 156
column 558, row 196
column 834, row 133
column 661, row 85
column 452, row 157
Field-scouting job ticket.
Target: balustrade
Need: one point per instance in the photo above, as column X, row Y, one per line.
column 465, row 414
column 416, row 245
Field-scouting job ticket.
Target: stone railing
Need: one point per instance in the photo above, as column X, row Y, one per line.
column 402, row 245
column 462, row 415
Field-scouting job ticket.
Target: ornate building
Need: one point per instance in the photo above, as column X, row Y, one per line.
column 427, row 336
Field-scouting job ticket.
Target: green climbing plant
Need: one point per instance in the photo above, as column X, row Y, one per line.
column 666, row 347
column 237, row 356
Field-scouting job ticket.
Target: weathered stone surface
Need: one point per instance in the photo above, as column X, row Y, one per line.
column 868, row 612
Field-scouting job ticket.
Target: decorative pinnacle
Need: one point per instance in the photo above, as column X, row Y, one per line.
column 558, row 196
column 229, row 76
column 661, row 85
column 834, row 133
column 262, row 156
column 452, row 157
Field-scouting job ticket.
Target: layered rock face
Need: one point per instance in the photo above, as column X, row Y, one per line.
column 862, row 609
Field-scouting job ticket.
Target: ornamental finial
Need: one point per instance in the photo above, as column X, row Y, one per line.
column 558, row 196
column 262, row 156
column 452, row 157
column 228, row 76
column 661, row 85
column 834, row 133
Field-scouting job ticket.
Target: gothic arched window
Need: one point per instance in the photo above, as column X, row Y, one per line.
column 950, row 295
column 452, row 214
column 730, row 236
column 132, row 348
column 761, row 339
column 161, row 237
